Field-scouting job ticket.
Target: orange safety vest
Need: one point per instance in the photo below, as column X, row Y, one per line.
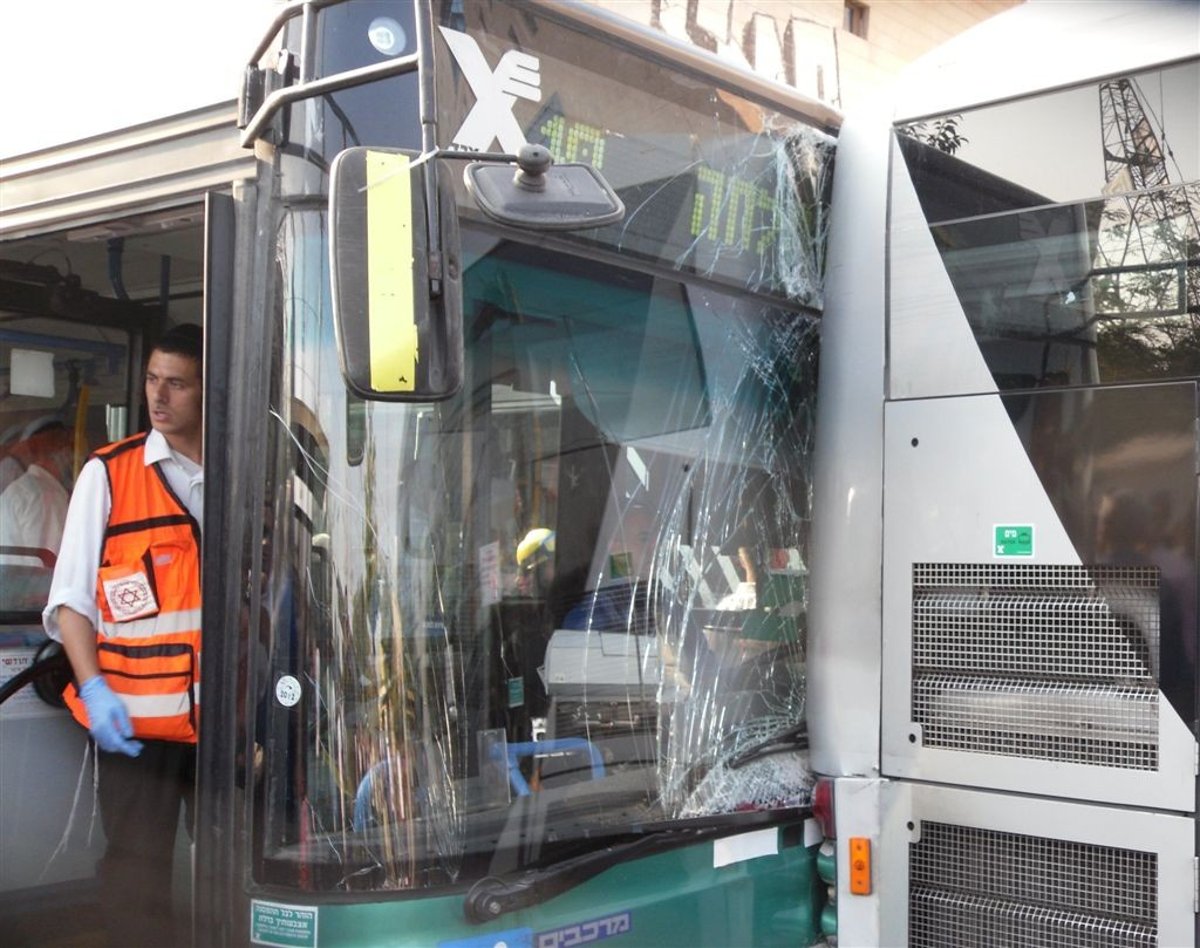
column 148, row 594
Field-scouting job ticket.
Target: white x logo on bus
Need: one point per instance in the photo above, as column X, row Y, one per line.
column 516, row 76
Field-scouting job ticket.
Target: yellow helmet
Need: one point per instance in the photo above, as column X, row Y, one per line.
column 537, row 547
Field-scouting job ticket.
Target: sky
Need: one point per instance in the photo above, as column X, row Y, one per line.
column 74, row 68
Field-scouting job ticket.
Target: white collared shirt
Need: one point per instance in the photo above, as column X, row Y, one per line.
column 74, row 582
column 32, row 513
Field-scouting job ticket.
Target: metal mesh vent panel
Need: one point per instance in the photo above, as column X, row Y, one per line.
column 1026, row 576
column 1061, row 635
column 939, row 920
column 1086, row 724
column 970, row 886
column 1052, row 662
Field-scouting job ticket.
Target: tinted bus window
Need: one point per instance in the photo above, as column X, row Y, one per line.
column 1068, row 224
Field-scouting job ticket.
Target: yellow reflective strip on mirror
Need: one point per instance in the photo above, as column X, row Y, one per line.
column 391, row 316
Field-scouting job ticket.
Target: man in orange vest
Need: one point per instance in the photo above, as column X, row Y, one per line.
column 125, row 603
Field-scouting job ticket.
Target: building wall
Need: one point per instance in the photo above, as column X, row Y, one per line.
column 802, row 43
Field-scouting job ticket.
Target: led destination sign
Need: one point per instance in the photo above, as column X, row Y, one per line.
column 701, row 211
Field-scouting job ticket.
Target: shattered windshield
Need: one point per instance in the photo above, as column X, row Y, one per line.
column 566, row 608
column 584, row 579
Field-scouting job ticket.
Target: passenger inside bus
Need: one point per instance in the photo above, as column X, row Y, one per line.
column 33, row 506
column 10, row 467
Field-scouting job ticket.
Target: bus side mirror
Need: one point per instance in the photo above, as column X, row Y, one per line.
column 534, row 193
column 398, row 323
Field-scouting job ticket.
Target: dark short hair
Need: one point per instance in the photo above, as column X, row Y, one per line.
column 186, row 339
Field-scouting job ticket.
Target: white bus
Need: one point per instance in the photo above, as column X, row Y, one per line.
column 1002, row 627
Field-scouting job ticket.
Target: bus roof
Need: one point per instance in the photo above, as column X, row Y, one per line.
column 150, row 168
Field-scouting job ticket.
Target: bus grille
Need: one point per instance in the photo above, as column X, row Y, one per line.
column 1052, row 662
column 975, row 887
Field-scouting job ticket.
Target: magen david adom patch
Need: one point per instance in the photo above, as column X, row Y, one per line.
column 130, row 597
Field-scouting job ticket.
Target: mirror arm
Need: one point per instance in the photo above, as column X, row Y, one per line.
column 533, row 160
column 433, row 219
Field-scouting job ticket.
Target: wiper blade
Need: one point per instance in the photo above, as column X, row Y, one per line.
column 491, row 897
column 790, row 739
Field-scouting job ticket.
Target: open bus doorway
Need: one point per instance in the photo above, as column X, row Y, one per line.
column 79, row 309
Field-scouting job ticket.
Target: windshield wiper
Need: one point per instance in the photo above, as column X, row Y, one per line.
column 491, row 897
column 790, row 739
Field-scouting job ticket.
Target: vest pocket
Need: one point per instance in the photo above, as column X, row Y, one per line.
column 129, row 590
column 176, row 571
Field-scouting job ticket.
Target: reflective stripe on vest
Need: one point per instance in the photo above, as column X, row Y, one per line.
column 182, row 621
column 148, row 596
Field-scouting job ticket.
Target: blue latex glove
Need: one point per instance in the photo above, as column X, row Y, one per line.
column 110, row 724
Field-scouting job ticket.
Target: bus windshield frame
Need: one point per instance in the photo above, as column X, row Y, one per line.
column 542, row 616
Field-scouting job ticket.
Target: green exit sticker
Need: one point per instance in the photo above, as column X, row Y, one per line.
column 1013, row 540
column 282, row 925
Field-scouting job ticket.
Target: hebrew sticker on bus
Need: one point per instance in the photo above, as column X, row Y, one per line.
column 1013, row 540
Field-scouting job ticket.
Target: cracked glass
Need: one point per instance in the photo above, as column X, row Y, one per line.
column 565, row 609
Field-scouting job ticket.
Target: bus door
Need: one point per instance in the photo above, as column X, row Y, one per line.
column 79, row 307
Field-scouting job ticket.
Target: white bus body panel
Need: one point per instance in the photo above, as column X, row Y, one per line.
column 966, row 472
column 1025, row 842
column 843, row 638
column 1000, row 846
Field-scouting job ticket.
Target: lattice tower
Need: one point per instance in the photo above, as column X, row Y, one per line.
column 1149, row 239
